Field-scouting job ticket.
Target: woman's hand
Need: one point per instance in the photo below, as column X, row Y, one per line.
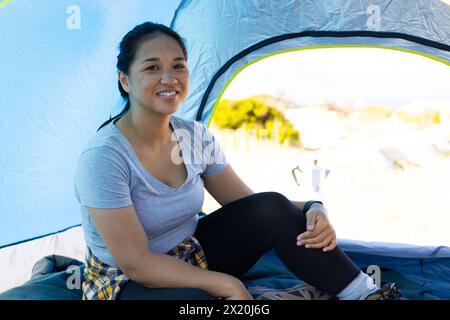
column 228, row 287
column 237, row 291
column 240, row 293
column 320, row 233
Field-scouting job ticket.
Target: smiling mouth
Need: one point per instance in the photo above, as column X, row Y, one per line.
column 171, row 93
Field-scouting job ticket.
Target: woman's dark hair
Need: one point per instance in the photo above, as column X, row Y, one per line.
column 127, row 50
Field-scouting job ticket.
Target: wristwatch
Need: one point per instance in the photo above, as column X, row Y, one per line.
column 308, row 205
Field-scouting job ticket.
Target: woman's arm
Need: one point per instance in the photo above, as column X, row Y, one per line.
column 127, row 242
column 226, row 187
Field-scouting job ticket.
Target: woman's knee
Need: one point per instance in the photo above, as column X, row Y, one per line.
column 288, row 214
column 271, row 199
column 277, row 206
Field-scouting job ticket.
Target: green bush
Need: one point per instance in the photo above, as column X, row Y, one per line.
column 252, row 114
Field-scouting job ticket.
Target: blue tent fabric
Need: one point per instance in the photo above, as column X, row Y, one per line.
column 240, row 25
column 270, row 272
column 427, row 266
column 60, row 84
column 48, row 282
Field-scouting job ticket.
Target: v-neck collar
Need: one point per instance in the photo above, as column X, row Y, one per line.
column 142, row 168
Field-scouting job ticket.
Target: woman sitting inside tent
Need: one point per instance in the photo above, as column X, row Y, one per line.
column 140, row 182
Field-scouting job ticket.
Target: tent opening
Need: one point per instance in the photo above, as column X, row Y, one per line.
column 376, row 121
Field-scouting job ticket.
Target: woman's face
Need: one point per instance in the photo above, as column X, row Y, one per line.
column 158, row 78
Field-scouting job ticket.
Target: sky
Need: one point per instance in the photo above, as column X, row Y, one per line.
column 359, row 76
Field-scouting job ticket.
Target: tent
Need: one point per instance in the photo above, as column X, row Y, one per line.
column 58, row 85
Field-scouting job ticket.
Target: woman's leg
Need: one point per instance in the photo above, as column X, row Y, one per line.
column 136, row 291
column 235, row 236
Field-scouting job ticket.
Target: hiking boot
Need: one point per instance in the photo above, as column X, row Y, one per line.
column 388, row 291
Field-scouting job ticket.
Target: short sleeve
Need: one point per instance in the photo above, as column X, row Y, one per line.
column 214, row 160
column 102, row 179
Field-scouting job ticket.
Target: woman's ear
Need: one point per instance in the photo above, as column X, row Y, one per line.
column 123, row 78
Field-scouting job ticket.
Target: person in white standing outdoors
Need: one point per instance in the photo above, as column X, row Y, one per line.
column 318, row 176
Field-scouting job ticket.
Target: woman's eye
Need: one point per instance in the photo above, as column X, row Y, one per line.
column 179, row 66
column 152, row 68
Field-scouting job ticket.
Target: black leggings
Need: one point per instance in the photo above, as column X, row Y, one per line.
column 235, row 236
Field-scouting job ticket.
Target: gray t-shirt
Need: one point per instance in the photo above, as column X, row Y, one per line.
column 110, row 175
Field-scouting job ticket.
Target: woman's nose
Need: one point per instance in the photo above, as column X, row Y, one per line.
column 168, row 77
